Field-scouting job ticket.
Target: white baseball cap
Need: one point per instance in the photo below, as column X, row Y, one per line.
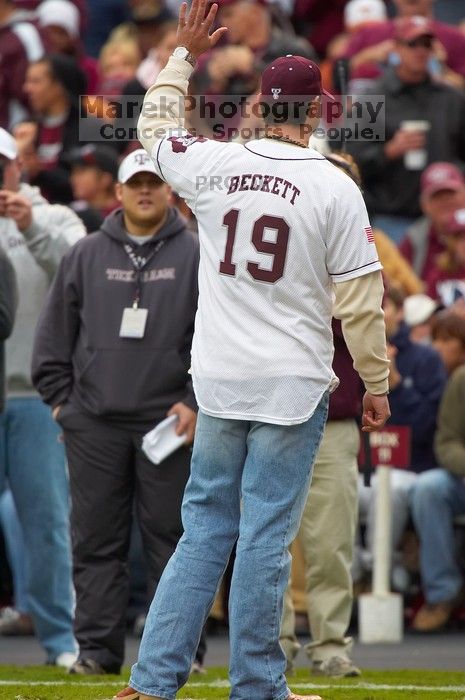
column 8, row 147
column 418, row 308
column 136, row 162
column 59, row 13
column 360, row 11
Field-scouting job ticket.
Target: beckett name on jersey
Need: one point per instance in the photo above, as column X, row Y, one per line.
column 263, row 183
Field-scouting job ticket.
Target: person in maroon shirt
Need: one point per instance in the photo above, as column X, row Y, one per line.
column 446, row 282
column 21, row 41
column 374, row 46
column 442, row 188
column 60, row 21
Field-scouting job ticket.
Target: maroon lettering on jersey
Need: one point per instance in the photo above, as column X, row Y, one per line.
column 275, row 188
column 233, row 184
column 180, row 144
column 256, row 182
column 244, row 185
column 265, row 184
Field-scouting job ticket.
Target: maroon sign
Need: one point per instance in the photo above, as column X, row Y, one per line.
column 390, row 447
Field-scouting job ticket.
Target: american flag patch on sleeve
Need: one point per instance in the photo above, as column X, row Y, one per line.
column 369, row 234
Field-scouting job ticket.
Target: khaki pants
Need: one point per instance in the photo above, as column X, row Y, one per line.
column 326, row 537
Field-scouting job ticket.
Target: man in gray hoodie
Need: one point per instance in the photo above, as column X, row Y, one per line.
column 111, row 356
column 35, row 236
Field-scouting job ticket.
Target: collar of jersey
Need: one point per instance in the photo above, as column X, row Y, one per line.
column 276, row 150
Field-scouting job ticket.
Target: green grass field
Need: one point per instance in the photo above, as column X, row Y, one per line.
column 41, row 683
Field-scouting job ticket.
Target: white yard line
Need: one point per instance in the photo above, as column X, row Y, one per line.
column 225, row 684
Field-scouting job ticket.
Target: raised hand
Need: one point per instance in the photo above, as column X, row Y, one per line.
column 194, row 28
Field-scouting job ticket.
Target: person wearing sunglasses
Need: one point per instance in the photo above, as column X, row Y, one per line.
column 424, row 122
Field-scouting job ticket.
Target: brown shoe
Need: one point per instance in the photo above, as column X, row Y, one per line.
column 131, row 694
column 15, row 624
column 432, row 618
column 304, row 697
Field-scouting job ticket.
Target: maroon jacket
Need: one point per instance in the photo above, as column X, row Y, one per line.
column 21, row 41
column 345, row 402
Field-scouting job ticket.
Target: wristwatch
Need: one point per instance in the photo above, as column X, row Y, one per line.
column 182, row 52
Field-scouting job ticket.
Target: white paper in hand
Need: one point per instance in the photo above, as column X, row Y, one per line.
column 162, row 440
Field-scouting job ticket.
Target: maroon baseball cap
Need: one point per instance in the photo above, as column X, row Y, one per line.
column 456, row 223
column 441, row 176
column 410, row 28
column 292, row 76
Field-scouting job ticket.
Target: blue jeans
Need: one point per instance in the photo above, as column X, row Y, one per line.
column 249, row 483
column 437, row 498
column 16, row 550
column 33, row 461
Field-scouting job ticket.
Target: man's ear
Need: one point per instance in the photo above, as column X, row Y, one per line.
column 119, row 192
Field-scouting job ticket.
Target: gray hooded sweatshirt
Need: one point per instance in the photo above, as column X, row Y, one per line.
column 79, row 357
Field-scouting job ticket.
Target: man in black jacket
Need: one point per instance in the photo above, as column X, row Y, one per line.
column 111, row 356
column 8, row 300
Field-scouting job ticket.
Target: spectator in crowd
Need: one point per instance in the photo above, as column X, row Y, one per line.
column 20, row 43
column 319, row 21
column 438, row 496
column 442, row 188
column 417, row 379
column 60, row 22
column 104, row 16
column 94, row 170
column 371, row 49
column 357, row 14
column 446, row 281
column 118, row 63
column 149, row 18
column 137, row 362
column 157, row 57
column 253, row 43
column 8, row 302
column 53, row 86
column 419, row 311
column 35, row 235
column 424, row 122
column 448, row 337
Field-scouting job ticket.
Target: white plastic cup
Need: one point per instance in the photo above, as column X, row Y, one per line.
column 417, row 158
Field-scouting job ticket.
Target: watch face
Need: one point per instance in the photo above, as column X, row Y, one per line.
column 180, row 52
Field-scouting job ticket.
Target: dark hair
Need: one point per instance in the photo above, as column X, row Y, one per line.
column 447, row 324
column 66, row 71
column 277, row 113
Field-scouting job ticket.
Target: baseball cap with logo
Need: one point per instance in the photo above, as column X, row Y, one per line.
column 456, row 223
column 411, row 28
column 441, row 176
column 136, row 162
column 292, row 76
column 8, row 147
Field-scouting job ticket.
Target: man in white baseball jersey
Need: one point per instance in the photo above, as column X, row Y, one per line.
column 281, row 230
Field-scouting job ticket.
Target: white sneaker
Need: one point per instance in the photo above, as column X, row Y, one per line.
column 66, row 659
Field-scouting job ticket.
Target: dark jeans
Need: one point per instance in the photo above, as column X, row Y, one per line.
column 108, row 471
